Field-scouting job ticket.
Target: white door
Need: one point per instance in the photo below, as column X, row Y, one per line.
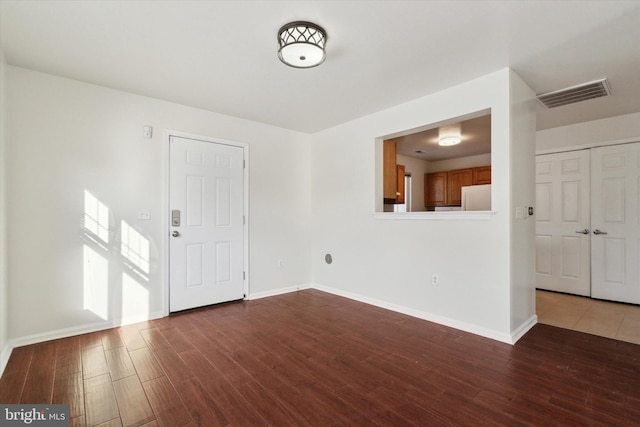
column 206, row 195
column 615, row 172
column 563, row 222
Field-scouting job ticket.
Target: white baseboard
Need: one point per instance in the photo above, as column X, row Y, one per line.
column 279, row 291
column 456, row 324
column 463, row 326
column 94, row 327
column 442, row 320
column 519, row 332
column 67, row 332
column 512, row 338
column 79, row 330
column 5, row 353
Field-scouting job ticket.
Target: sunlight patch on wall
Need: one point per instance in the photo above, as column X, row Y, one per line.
column 95, row 264
column 135, row 250
column 135, row 299
column 96, row 217
column 96, row 283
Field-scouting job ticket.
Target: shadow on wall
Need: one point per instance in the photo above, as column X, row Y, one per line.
column 128, row 302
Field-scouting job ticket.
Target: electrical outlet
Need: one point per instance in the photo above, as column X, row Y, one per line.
column 280, row 264
column 434, row 280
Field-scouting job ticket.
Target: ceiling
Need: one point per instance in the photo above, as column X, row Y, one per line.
column 475, row 136
column 221, row 55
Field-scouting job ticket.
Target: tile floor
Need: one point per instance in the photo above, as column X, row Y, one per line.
column 603, row 318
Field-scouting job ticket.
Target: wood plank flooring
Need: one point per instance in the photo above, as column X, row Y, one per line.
column 310, row 358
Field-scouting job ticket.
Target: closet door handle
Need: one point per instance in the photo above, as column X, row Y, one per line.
column 596, row 231
column 585, row 231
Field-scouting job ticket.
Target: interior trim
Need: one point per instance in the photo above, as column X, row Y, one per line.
column 441, row 320
column 438, row 216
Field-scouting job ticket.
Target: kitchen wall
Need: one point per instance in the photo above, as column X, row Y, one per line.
column 460, row 163
column 4, row 351
column 417, row 168
column 65, row 138
column 391, row 261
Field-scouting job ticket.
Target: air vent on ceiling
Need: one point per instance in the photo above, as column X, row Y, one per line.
column 570, row 95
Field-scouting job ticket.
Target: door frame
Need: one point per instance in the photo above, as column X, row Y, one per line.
column 588, row 145
column 166, row 217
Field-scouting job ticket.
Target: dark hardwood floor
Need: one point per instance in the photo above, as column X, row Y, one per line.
column 310, row 358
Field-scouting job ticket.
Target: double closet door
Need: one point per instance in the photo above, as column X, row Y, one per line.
column 588, row 222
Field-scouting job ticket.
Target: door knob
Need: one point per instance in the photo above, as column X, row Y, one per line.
column 175, row 233
column 585, row 231
column 596, row 231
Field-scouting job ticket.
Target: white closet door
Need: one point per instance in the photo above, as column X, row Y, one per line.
column 562, row 222
column 615, row 176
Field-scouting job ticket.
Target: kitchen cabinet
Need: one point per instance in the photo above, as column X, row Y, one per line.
column 393, row 175
column 435, row 189
column 400, row 187
column 455, row 181
column 445, row 188
column 482, row 175
column 390, row 175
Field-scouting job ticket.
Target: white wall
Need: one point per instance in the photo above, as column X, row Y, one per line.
column 522, row 146
column 4, row 351
column 619, row 128
column 417, row 168
column 392, row 261
column 65, row 137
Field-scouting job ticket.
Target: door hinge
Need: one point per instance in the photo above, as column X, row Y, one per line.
column 244, row 275
column 244, row 220
column 244, row 164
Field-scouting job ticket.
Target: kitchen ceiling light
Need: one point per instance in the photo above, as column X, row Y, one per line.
column 302, row 44
column 449, row 140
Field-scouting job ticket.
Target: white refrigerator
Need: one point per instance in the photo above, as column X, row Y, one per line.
column 476, row 198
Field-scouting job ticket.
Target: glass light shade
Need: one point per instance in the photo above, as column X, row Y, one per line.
column 449, row 140
column 302, row 44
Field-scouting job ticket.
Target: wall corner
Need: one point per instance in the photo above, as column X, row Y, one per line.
column 522, row 135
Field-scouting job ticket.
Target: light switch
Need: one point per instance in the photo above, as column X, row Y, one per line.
column 144, row 214
column 147, row 132
column 518, row 212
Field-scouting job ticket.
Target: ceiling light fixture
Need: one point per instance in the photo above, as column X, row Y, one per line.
column 449, row 140
column 302, row 44
column 449, row 135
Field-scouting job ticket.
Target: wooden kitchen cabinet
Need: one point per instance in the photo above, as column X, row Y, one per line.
column 435, row 189
column 390, row 172
column 400, row 190
column 482, row 175
column 455, row 181
column 445, row 188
